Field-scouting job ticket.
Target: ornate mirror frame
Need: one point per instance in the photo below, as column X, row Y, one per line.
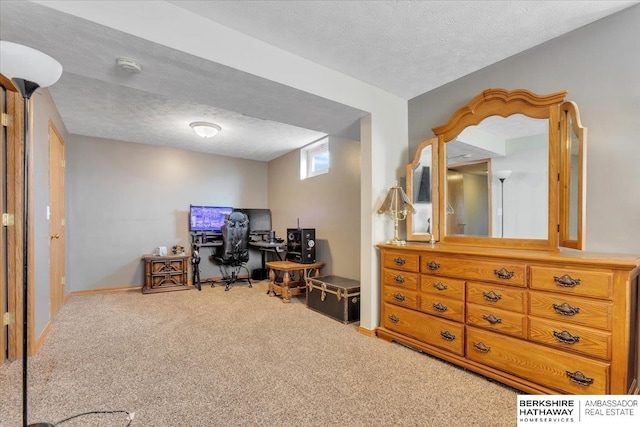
column 563, row 121
column 573, row 178
column 418, row 159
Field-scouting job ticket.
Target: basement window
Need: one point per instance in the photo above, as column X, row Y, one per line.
column 314, row 159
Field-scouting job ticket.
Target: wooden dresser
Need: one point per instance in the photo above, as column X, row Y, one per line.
column 544, row 322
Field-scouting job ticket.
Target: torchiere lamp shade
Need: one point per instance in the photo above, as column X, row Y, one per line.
column 25, row 63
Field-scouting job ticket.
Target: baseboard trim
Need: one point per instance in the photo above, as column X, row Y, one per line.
column 38, row 343
column 105, row 290
column 367, row 332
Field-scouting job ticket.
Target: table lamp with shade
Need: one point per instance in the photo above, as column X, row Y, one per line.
column 397, row 206
column 29, row 69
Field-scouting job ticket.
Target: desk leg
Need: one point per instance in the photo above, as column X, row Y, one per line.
column 286, row 280
column 196, row 276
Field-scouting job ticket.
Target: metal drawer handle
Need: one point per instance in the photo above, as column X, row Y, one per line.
column 565, row 337
column 394, row 318
column 492, row 319
column 398, row 297
column 503, row 273
column 399, row 261
column 566, row 281
column 440, row 307
column 433, row 265
column 491, row 296
column 579, row 378
column 440, row 286
column 399, row 279
column 565, row 309
column 447, row 335
column 479, row 346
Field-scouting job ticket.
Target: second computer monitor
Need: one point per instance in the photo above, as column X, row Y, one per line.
column 259, row 220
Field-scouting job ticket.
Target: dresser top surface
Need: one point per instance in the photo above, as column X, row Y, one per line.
column 627, row 262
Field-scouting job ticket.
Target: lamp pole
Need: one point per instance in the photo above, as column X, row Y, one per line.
column 502, row 175
column 29, row 69
column 502, row 206
column 26, row 88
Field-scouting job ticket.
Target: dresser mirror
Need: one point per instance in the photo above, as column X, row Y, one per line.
column 573, row 179
column 421, row 176
column 511, row 173
column 481, row 204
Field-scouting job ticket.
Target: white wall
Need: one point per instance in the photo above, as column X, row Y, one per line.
column 330, row 203
column 599, row 65
column 526, row 191
column 125, row 199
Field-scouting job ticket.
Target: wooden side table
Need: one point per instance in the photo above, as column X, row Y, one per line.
column 165, row 273
column 288, row 287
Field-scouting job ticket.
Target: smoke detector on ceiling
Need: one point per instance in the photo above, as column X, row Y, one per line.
column 129, row 65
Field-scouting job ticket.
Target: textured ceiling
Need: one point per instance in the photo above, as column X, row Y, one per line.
column 406, row 48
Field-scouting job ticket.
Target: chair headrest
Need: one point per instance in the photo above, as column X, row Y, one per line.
column 236, row 217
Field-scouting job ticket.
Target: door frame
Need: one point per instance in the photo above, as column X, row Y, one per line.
column 56, row 295
column 14, row 232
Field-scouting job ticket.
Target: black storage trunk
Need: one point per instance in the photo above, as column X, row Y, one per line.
column 335, row 296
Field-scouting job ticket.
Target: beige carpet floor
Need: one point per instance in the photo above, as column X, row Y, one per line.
column 237, row 358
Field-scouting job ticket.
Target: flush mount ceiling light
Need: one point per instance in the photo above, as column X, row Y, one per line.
column 129, row 65
column 205, row 129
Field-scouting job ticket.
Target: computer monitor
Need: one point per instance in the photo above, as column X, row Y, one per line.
column 207, row 218
column 259, row 220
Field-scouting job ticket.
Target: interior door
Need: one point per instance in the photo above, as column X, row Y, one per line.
column 56, row 221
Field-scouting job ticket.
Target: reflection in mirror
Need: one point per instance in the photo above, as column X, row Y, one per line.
column 573, row 182
column 422, row 193
column 468, row 196
column 422, row 202
column 420, row 188
column 517, row 143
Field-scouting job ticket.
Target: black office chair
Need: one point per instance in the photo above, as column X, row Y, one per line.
column 234, row 253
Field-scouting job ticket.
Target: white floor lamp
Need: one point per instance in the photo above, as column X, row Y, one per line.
column 29, row 69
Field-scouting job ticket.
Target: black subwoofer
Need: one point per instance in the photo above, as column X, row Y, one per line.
column 301, row 245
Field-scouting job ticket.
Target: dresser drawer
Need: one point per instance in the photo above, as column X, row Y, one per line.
column 442, row 306
column 399, row 296
column 550, row 367
column 580, row 339
column 573, row 281
column 503, row 297
column 400, row 278
column 451, row 288
column 401, row 261
column 569, row 309
column 428, row 329
column 497, row 320
column 508, row 273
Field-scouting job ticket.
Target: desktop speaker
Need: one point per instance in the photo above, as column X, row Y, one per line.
column 301, row 245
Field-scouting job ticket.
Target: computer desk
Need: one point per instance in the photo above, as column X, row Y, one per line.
column 273, row 247
column 263, row 245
